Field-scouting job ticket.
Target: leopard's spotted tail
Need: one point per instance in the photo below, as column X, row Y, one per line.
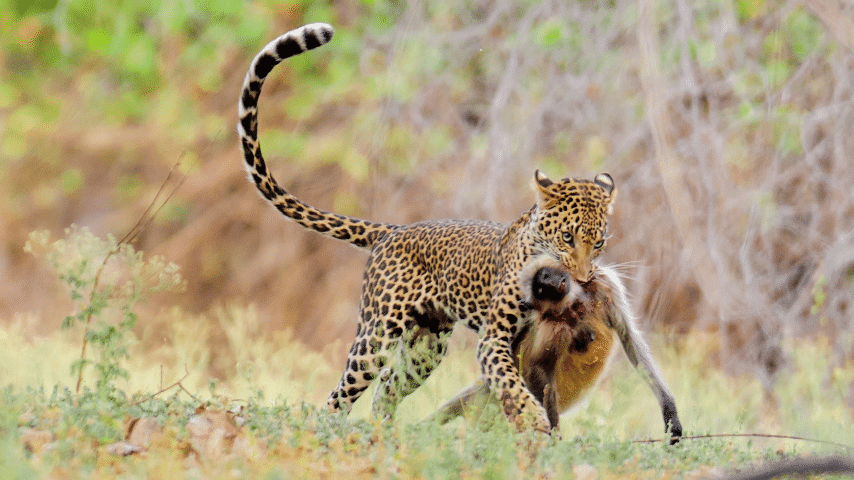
column 361, row 233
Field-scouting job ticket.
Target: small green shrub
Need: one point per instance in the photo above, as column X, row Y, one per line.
column 106, row 280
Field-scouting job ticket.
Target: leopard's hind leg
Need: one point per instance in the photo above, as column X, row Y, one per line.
column 401, row 332
column 403, row 353
column 419, row 351
column 366, row 358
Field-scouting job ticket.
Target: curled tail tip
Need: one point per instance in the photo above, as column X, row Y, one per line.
column 323, row 29
column 294, row 42
column 301, row 39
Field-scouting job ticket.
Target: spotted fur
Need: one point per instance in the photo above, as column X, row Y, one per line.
column 423, row 278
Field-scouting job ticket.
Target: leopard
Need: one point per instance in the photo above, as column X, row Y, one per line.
column 422, row 279
column 563, row 353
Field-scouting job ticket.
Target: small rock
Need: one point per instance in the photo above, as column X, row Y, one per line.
column 212, row 433
column 123, row 449
column 142, row 431
column 585, row 471
column 35, row 441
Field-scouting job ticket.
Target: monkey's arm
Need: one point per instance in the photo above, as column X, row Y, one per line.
column 622, row 321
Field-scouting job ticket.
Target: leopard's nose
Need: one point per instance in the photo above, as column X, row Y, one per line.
column 589, row 275
column 582, row 274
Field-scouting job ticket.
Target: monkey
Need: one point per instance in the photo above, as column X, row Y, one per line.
column 566, row 346
column 564, row 352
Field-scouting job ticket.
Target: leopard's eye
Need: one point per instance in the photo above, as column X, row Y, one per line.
column 599, row 244
column 567, row 238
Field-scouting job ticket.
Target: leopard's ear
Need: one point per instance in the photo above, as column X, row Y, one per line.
column 543, row 190
column 607, row 183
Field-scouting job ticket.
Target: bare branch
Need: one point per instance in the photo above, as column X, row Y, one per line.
column 178, row 383
column 750, row 435
column 797, row 466
column 837, row 21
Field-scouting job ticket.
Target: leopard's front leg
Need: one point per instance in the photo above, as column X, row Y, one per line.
column 494, row 352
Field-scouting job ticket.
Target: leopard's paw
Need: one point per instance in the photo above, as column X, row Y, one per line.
column 525, row 412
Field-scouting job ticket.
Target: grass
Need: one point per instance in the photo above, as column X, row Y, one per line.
column 279, row 388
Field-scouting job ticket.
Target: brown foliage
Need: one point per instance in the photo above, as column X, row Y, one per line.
column 731, row 231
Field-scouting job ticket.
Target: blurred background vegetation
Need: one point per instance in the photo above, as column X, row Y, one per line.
column 422, row 110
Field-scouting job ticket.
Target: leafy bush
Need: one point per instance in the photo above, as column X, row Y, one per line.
column 106, row 280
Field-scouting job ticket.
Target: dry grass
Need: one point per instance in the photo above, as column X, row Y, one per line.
column 307, row 443
column 808, row 401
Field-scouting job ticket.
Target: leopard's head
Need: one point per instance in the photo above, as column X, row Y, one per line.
column 572, row 220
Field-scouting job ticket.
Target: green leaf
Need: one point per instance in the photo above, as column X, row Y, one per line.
column 804, row 32
column 98, row 40
column 778, row 72
column 27, row 8
column 550, row 33
column 706, row 54
column 9, row 94
column 71, row 180
column 139, row 58
column 751, row 9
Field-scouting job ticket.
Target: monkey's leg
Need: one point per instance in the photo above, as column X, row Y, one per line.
column 622, row 321
column 640, row 356
column 472, row 398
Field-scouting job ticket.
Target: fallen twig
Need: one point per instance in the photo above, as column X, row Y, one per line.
column 751, row 435
column 176, row 384
column 799, row 466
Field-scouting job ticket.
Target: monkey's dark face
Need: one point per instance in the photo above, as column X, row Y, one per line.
column 549, row 285
column 559, row 298
column 564, row 307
